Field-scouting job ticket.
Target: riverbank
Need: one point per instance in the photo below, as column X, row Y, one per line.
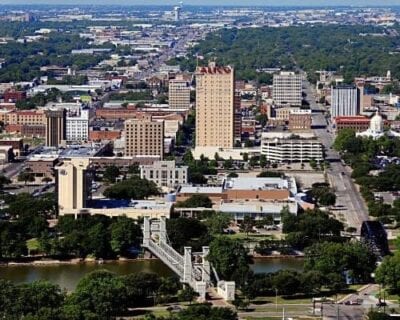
column 75, row 261
column 30, row 261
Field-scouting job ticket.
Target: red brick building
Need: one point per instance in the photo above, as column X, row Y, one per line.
column 356, row 123
column 98, row 135
column 13, row 95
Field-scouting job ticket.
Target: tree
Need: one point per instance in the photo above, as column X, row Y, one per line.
column 187, row 232
column 262, row 119
column 233, row 175
column 355, row 259
column 327, row 199
column 263, row 161
column 140, row 286
column 247, row 225
column 111, row 173
column 187, row 294
column 206, row 312
column 132, row 188
column 4, row 181
column 286, row 282
column 26, row 176
column 388, row 273
column 40, row 295
column 196, row 201
column 245, row 157
column 124, row 233
column 217, row 222
column 100, row 293
column 228, row 164
column 253, row 161
column 10, row 306
column 375, row 315
column 344, row 139
column 230, row 259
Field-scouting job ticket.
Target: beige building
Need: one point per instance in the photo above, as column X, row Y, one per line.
column 73, row 194
column 144, row 137
column 179, row 93
column 215, row 106
column 27, row 117
column 165, row 174
column 56, row 127
column 73, row 185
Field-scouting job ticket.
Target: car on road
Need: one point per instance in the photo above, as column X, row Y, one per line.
column 353, row 302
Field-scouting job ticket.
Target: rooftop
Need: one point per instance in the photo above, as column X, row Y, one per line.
column 136, row 204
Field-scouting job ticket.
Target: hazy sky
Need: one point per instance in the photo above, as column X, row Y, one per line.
column 214, row 2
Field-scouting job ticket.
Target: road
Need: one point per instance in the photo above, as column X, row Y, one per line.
column 12, row 169
column 348, row 197
column 167, row 54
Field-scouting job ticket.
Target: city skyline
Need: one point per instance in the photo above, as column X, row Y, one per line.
column 212, row 3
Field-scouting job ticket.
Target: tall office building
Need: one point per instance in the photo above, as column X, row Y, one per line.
column 287, row 89
column 144, row 137
column 179, row 93
column 55, row 127
column 215, row 106
column 345, row 101
column 73, row 185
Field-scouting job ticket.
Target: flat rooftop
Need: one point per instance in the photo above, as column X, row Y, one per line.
column 136, row 204
column 257, row 207
column 252, row 183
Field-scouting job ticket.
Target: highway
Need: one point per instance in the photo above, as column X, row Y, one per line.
column 348, row 197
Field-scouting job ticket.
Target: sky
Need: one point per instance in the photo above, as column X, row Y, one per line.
column 216, row 2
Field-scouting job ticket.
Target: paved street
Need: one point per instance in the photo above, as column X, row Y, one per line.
column 348, row 198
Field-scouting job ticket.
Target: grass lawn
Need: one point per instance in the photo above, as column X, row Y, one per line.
column 251, row 237
column 157, row 313
column 287, row 300
column 280, row 317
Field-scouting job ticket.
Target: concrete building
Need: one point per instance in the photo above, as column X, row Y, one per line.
column 258, row 210
column 144, row 137
column 179, row 93
column 77, row 123
column 240, row 189
column 345, row 101
column 165, row 174
column 215, row 106
column 55, row 127
column 286, row 147
column 287, row 89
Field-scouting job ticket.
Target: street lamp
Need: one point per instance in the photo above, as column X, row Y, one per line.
column 276, row 298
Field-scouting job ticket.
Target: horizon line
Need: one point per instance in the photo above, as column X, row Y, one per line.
column 203, row 5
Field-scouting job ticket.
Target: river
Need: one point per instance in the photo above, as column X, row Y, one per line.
column 68, row 275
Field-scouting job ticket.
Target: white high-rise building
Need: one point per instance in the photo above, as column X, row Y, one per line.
column 177, row 13
column 345, row 101
column 77, row 124
column 287, row 89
